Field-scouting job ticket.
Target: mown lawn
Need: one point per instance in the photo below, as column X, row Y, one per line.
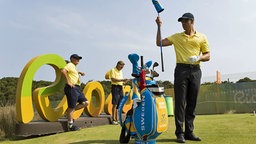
column 213, row 129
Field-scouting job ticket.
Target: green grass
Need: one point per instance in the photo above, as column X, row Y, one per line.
column 213, row 129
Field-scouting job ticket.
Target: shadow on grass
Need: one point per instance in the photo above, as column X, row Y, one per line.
column 166, row 140
column 97, row 141
column 115, row 141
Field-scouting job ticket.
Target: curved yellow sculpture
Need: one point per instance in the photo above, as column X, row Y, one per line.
column 93, row 91
column 127, row 106
column 108, row 105
column 24, row 107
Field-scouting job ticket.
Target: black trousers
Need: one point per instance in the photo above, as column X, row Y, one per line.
column 187, row 79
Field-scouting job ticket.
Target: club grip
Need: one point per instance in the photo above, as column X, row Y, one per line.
column 162, row 61
column 141, row 62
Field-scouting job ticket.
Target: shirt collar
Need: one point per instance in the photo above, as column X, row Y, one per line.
column 117, row 69
column 195, row 34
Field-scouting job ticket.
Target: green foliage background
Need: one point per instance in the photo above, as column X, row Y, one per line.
column 8, row 87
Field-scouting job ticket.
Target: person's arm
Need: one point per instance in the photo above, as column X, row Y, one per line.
column 81, row 73
column 205, row 50
column 64, row 72
column 205, row 57
column 118, row 80
column 165, row 41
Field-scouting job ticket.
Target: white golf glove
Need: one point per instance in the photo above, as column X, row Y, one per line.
column 194, row 59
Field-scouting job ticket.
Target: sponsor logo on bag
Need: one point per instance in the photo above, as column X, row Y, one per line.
column 142, row 113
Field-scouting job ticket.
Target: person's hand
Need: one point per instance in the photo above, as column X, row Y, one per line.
column 158, row 21
column 71, row 85
column 82, row 73
column 194, row 59
column 125, row 80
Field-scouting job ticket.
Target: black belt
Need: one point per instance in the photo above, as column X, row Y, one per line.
column 116, row 85
column 188, row 65
column 74, row 85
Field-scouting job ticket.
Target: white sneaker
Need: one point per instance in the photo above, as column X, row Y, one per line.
column 115, row 122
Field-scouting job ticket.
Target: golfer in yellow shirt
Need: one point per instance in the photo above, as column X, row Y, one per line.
column 191, row 48
column 116, row 76
column 72, row 90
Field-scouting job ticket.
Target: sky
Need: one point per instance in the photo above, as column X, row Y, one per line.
column 104, row 32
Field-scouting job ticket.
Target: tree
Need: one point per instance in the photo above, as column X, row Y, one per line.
column 165, row 84
column 246, row 79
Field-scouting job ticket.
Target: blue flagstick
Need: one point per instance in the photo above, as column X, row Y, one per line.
column 159, row 9
column 162, row 61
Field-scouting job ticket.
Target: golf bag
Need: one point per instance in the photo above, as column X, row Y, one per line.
column 148, row 116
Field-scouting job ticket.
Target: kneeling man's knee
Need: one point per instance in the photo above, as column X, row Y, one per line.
column 85, row 103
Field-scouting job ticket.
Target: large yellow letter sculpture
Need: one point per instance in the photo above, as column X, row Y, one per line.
column 24, row 107
column 95, row 106
column 24, row 97
column 127, row 106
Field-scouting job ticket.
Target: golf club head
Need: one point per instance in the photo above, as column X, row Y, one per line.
column 134, row 58
column 155, row 65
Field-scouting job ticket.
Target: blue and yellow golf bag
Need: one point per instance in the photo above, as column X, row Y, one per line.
column 148, row 117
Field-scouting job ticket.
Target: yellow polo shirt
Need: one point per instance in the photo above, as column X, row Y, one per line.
column 186, row 46
column 72, row 73
column 115, row 73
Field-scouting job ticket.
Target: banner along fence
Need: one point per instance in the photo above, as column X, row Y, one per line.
column 225, row 98
column 228, row 97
